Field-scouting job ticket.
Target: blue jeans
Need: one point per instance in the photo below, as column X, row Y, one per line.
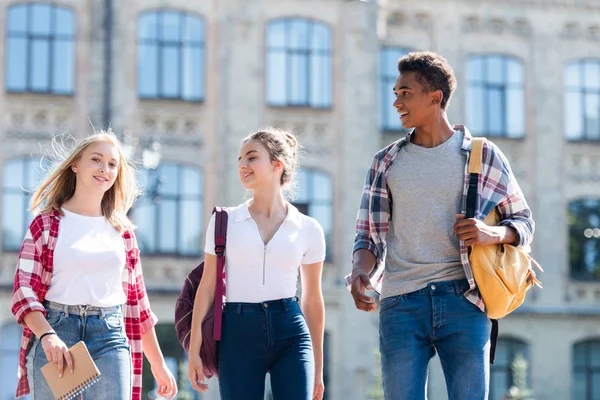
column 103, row 332
column 265, row 337
column 438, row 318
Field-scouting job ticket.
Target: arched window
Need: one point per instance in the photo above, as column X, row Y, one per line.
column 586, row 370
column 315, row 199
column 388, row 72
column 582, row 100
column 169, row 215
column 19, row 178
column 298, row 63
column 584, row 239
column 40, row 48
column 501, row 373
column 170, row 55
column 495, row 96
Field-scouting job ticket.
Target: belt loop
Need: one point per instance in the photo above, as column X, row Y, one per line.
column 285, row 304
column 102, row 313
column 239, row 308
column 65, row 309
column 83, row 310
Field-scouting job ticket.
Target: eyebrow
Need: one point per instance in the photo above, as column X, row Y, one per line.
column 102, row 155
column 401, row 88
column 249, row 151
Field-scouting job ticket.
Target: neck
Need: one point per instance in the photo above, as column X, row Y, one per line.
column 434, row 133
column 268, row 203
column 84, row 204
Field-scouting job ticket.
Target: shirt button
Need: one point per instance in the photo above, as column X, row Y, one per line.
column 432, row 287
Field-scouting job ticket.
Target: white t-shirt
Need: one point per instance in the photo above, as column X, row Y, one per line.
column 89, row 260
column 256, row 272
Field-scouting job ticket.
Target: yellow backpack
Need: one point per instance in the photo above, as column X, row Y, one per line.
column 503, row 273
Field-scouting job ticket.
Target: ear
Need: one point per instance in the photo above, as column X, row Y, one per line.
column 436, row 97
column 74, row 168
column 277, row 164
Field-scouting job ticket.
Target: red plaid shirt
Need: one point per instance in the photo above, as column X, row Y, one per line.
column 32, row 280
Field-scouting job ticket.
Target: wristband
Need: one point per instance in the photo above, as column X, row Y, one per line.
column 46, row 334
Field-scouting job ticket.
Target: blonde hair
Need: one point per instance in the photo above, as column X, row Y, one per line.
column 59, row 185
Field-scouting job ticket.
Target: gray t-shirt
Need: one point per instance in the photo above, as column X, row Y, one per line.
column 426, row 187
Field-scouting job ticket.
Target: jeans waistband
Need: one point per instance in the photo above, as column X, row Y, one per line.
column 456, row 286
column 82, row 310
column 265, row 305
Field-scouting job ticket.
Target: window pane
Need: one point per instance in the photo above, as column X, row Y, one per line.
column 592, row 116
column 168, row 226
column 40, row 19
column 168, row 180
column 63, row 63
column 594, row 354
column 40, row 61
column 496, row 116
column 193, row 29
column 64, row 21
column 323, row 214
column 17, row 19
column 170, row 26
column 34, row 173
column 322, row 187
column 475, row 69
column 16, row 62
column 573, row 115
column 321, row 37
column 147, row 70
column 475, row 109
column 276, row 34
column 191, row 180
column 579, row 385
column 13, row 174
column 579, row 355
column 299, row 79
column 193, row 73
column 148, row 26
column 170, row 71
column 144, row 217
column 298, row 34
column 13, row 221
column 276, row 78
column 320, row 77
column 591, row 75
column 515, row 72
column 515, row 104
column 303, row 186
column 595, row 385
column 495, row 69
column 190, row 220
column 573, row 75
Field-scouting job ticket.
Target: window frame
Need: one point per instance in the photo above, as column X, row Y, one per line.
column 309, row 52
column 486, row 85
column 51, row 39
column 387, row 82
column 513, row 344
column 156, row 248
column 588, row 369
column 580, row 274
column 585, row 135
column 181, row 44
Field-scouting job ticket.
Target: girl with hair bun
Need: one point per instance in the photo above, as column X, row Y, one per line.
column 265, row 329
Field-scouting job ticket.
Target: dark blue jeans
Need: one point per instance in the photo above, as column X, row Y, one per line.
column 265, row 337
column 438, row 318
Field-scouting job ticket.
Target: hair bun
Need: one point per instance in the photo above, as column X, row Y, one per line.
column 291, row 141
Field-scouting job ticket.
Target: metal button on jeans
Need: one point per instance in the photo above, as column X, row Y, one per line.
column 432, row 287
column 266, row 305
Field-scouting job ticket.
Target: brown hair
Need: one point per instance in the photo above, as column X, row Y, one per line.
column 432, row 71
column 282, row 146
column 59, row 186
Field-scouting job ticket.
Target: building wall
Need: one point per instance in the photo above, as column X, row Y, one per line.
column 341, row 140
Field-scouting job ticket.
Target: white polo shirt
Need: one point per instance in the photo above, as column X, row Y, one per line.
column 256, row 272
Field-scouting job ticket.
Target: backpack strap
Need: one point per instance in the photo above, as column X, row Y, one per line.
column 221, row 219
column 475, row 164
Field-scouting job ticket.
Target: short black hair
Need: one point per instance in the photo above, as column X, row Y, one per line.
column 433, row 72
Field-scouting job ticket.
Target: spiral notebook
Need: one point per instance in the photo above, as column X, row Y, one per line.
column 85, row 374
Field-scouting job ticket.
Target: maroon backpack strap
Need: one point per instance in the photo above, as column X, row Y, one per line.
column 221, row 218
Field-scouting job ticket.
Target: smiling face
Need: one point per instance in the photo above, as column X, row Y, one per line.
column 414, row 104
column 97, row 168
column 255, row 167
